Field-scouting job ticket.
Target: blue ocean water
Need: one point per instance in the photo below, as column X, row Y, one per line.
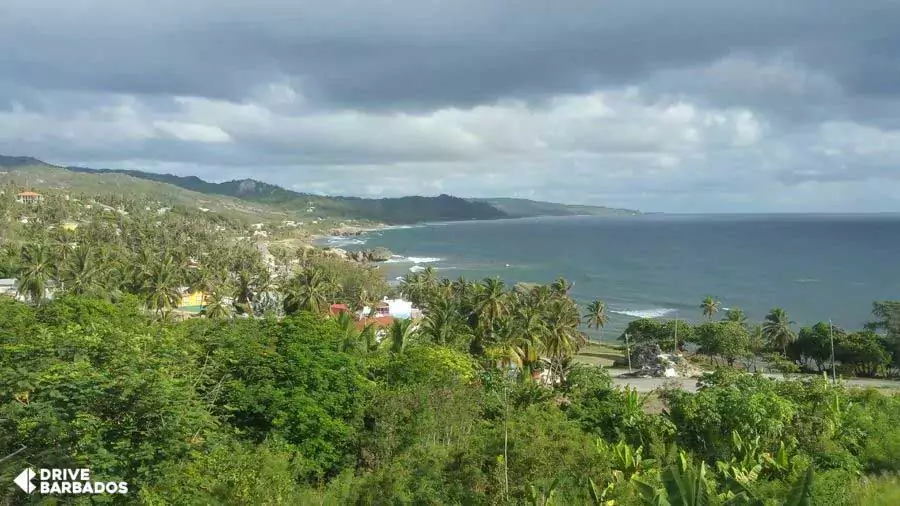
column 816, row 267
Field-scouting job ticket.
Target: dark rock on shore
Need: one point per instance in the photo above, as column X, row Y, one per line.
column 371, row 255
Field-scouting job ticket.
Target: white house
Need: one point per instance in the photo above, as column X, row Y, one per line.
column 8, row 287
column 397, row 308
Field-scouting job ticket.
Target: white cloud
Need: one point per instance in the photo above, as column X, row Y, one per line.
column 193, row 132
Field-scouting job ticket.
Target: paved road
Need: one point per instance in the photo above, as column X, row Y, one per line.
column 690, row 384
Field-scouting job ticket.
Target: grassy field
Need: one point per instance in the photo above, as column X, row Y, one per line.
column 600, row 354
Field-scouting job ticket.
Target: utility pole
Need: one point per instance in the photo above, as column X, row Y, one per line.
column 831, row 336
column 628, row 351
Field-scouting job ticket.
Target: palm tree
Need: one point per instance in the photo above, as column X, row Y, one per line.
column 216, row 308
column 710, row 307
column 562, row 339
column 444, row 324
column 81, row 274
column 596, row 316
column 161, row 287
column 561, row 286
column 399, row 335
column 413, row 287
column 350, row 336
column 528, row 323
column 34, row 272
column 309, row 291
column 244, row 285
column 491, row 304
column 736, row 315
column 777, row 329
column 363, row 299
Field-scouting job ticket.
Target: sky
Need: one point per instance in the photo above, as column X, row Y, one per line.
column 688, row 106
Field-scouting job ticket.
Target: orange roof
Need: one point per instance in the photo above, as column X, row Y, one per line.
column 378, row 321
column 29, row 194
column 337, row 309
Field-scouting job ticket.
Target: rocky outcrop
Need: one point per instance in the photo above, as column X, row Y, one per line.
column 371, row 255
column 337, row 252
column 347, row 231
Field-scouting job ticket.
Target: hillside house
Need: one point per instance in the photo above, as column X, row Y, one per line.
column 8, row 287
column 337, row 309
column 29, row 198
column 191, row 301
column 381, row 324
column 395, row 308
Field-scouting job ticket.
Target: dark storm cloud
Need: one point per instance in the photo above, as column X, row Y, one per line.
column 660, row 105
column 426, row 53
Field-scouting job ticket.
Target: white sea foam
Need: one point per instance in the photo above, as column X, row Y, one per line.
column 416, row 268
column 645, row 313
column 396, row 259
column 338, row 241
column 423, row 260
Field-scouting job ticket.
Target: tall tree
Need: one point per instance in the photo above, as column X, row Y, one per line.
column 710, row 307
column 736, row 315
column 309, row 291
column 777, row 329
column 82, row 275
column 444, row 324
column 161, row 287
column 491, row 305
column 35, row 271
column 596, row 316
column 399, row 335
column 216, row 306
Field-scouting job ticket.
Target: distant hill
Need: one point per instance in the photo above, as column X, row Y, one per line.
column 263, row 200
column 523, row 208
column 263, row 197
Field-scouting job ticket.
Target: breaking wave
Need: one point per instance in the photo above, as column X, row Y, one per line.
column 339, row 241
column 645, row 313
column 396, row 259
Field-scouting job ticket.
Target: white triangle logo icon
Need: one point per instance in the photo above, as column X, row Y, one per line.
column 23, row 480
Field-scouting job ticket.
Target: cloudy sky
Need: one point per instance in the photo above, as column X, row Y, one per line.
column 660, row 105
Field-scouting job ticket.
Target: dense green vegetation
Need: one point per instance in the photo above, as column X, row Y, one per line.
column 247, row 196
column 869, row 352
column 269, row 399
column 298, row 411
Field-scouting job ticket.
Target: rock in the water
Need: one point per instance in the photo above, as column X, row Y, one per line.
column 380, row 254
column 371, row 255
column 346, row 231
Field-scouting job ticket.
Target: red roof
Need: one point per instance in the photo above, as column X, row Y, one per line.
column 29, row 194
column 337, row 309
column 378, row 321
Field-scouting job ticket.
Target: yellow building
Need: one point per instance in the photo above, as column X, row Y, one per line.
column 192, row 302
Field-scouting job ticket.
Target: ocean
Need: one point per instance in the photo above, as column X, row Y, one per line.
column 816, row 267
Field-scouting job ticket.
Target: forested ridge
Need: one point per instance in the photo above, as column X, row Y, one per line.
column 269, row 398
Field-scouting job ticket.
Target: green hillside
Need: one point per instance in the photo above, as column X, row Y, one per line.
column 256, row 200
column 522, row 208
column 402, row 210
column 43, row 176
